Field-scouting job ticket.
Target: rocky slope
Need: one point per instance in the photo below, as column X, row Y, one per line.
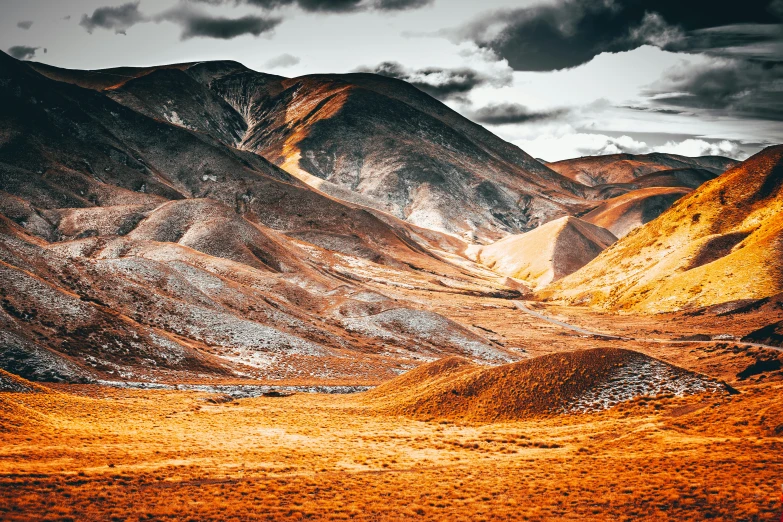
column 402, row 152
column 720, row 243
column 361, row 138
column 138, row 246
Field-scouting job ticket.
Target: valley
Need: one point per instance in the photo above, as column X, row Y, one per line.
column 232, row 295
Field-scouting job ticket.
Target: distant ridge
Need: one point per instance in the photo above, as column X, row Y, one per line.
column 626, row 168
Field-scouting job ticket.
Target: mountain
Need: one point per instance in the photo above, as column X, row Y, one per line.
column 546, row 254
column 361, row 138
column 621, row 214
column 138, row 246
column 627, row 168
column 722, row 242
column 404, row 152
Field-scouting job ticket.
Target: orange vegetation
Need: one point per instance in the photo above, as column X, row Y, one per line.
column 588, row 380
column 90, row 453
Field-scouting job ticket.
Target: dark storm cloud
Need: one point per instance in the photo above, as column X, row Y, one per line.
column 738, row 87
column 652, row 109
column 753, row 41
column 119, row 18
column 572, row 32
column 331, row 6
column 327, row 6
column 438, row 82
column 194, row 22
column 400, row 5
column 284, row 60
column 511, row 113
column 22, row 52
column 24, row 24
column 198, row 24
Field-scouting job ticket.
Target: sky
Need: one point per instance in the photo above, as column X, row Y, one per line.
column 558, row 78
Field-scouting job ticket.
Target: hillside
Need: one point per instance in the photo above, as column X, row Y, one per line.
column 10, row 383
column 720, row 243
column 403, row 152
column 546, row 254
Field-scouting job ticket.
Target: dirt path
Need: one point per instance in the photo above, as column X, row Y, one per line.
column 523, row 307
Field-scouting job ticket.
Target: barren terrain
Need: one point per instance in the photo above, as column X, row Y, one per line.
column 87, row 452
column 229, row 295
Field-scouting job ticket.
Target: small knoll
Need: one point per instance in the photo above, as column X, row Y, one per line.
column 572, row 382
column 215, row 229
column 548, row 253
column 631, row 210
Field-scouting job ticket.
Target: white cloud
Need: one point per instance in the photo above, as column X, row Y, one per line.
column 697, row 147
column 655, row 31
column 563, row 142
column 558, row 146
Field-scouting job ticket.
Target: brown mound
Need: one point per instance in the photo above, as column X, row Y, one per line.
column 548, row 253
column 720, row 243
column 421, row 380
column 580, row 381
column 685, row 178
column 624, row 213
column 215, row 229
column 77, row 223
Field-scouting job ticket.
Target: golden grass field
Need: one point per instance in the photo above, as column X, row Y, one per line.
column 94, row 453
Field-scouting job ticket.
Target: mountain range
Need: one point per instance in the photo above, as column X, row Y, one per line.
column 206, row 220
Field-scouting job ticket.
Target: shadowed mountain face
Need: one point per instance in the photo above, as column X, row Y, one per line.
column 136, row 242
column 720, row 243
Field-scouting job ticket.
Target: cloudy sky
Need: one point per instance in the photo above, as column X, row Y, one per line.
column 559, row 78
